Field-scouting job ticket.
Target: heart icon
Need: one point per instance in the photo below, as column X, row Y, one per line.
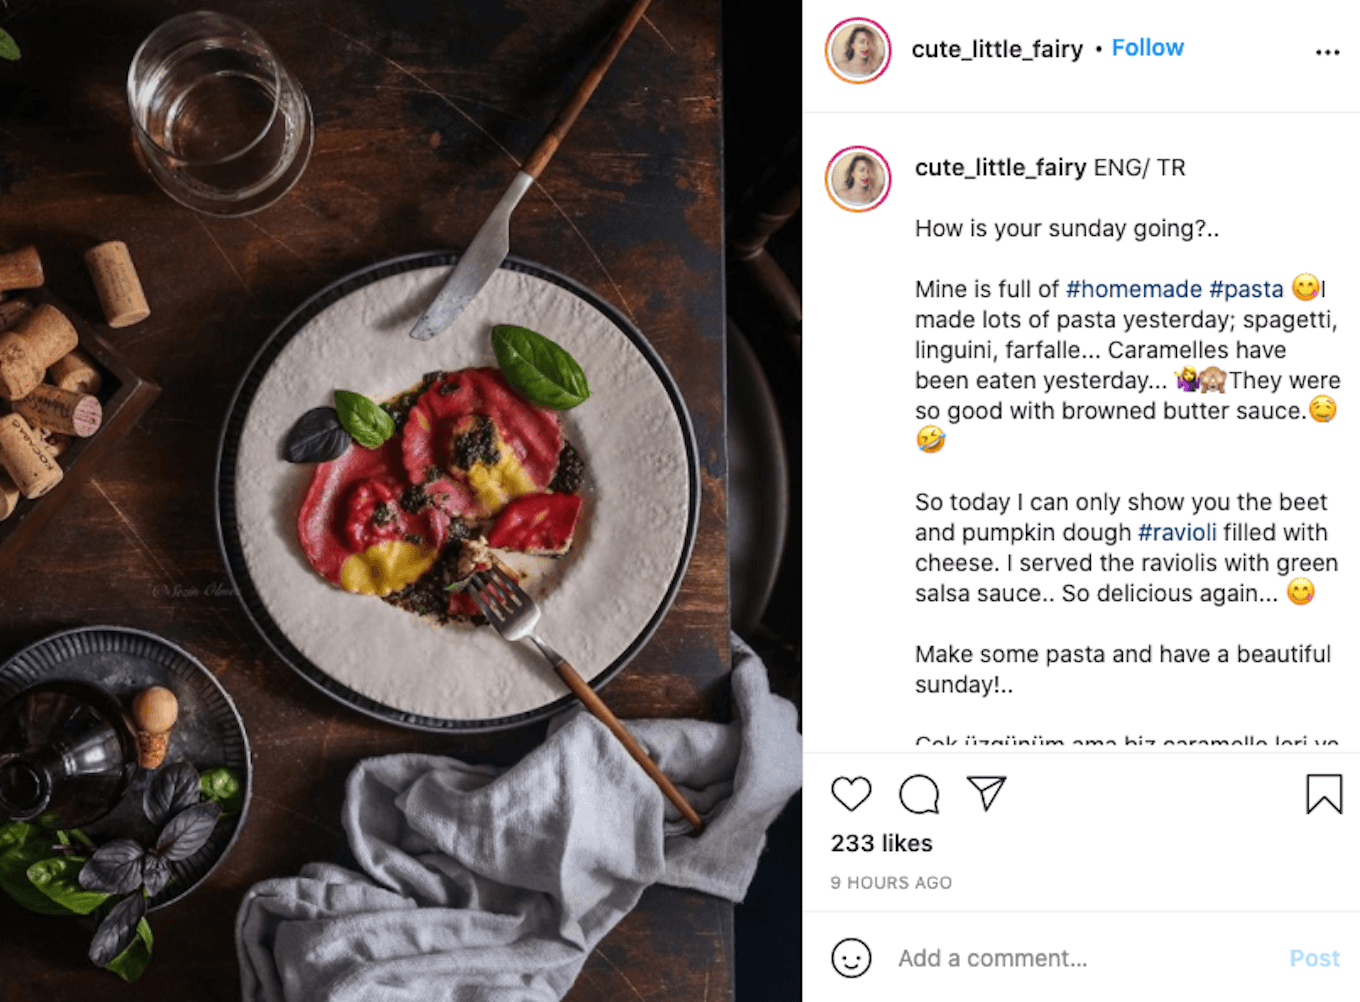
column 851, row 792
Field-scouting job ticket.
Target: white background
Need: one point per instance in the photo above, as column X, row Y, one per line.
column 1211, row 853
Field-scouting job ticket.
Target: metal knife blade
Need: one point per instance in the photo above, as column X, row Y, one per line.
column 476, row 266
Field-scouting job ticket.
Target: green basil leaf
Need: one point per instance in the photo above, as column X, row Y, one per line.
column 223, row 787
column 9, row 49
column 58, row 878
column 14, row 833
column 131, row 964
column 544, row 372
column 367, row 423
column 14, row 864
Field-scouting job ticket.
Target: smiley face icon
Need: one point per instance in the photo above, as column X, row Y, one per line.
column 1306, row 286
column 1301, row 591
column 930, row 439
column 851, row 958
column 1323, row 408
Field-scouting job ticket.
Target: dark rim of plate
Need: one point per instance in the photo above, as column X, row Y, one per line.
column 225, row 494
column 34, row 664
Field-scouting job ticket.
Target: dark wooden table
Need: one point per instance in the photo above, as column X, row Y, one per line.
column 423, row 110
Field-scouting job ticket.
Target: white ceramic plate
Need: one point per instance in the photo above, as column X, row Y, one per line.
column 600, row 602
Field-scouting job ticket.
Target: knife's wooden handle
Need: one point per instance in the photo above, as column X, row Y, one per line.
column 566, row 118
column 597, row 707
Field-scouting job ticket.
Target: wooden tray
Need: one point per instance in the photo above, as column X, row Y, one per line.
column 125, row 396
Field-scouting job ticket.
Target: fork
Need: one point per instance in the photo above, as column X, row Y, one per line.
column 514, row 614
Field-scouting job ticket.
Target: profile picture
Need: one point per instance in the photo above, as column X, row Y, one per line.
column 858, row 50
column 858, row 178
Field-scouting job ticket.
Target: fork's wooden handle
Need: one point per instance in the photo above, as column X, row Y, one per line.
column 566, row 118
column 596, row 706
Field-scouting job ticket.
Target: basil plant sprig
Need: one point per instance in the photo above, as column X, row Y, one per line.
column 173, row 801
column 55, row 871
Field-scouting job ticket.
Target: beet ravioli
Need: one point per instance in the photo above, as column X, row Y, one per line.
column 472, row 468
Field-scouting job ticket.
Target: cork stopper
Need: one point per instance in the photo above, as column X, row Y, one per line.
column 54, row 443
column 154, row 711
column 21, row 269
column 40, row 339
column 14, row 310
column 116, row 281
column 75, row 372
column 9, row 496
column 23, row 456
column 48, row 333
column 63, row 411
column 19, row 370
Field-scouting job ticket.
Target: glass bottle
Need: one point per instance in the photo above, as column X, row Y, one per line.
column 67, row 754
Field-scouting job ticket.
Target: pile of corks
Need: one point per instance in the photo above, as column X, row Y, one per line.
column 49, row 385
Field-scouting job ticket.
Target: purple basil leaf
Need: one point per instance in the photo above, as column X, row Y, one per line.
column 115, row 933
column 317, row 436
column 114, row 869
column 170, row 791
column 188, row 831
column 156, row 874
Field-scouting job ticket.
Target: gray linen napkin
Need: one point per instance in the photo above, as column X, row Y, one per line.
column 482, row 885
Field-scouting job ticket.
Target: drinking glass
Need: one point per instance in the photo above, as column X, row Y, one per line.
column 220, row 123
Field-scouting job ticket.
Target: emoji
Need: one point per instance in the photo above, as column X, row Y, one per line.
column 1300, row 591
column 1306, row 287
column 1187, row 380
column 930, row 439
column 1212, row 378
column 851, row 958
column 1322, row 408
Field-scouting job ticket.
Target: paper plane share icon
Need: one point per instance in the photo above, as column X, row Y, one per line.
column 987, row 787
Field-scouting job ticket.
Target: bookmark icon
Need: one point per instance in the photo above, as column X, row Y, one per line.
column 1324, row 788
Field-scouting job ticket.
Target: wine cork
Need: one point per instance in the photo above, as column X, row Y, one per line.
column 116, row 281
column 75, row 372
column 154, row 711
column 54, row 443
column 42, row 338
column 19, row 372
column 9, row 496
column 22, row 454
column 14, row 310
column 21, row 269
column 64, row 411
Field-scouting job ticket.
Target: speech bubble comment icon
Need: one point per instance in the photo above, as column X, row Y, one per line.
column 920, row 795
column 851, row 792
